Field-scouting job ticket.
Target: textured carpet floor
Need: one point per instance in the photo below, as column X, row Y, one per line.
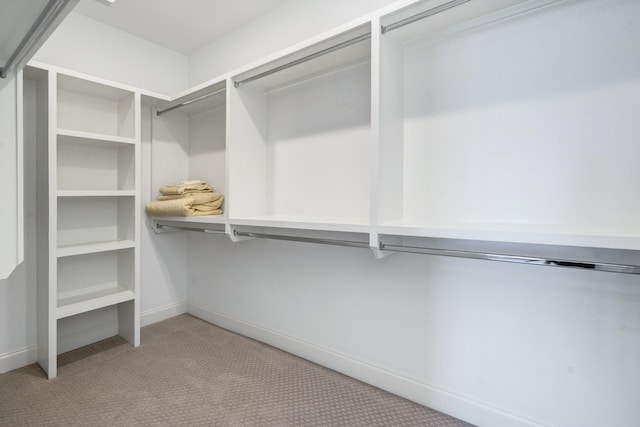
column 189, row 372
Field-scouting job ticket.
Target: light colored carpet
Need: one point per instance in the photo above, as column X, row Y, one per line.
column 189, row 372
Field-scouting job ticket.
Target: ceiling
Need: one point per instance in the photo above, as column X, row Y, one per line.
column 180, row 25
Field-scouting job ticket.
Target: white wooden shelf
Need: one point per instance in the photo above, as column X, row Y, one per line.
column 96, row 193
column 90, row 248
column 92, row 300
column 95, row 163
column 321, row 223
column 516, row 233
column 208, row 219
column 95, row 137
column 89, row 106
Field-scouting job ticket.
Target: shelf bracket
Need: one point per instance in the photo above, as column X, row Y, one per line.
column 375, row 245
column 236, row 235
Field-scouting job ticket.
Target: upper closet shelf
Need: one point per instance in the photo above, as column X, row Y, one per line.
column 91, row 137
column 197, row 101
column 355, row 225
column 208, row 219
column 517, row 233
column 333, row 53
column 439, row 18
column 95, row 108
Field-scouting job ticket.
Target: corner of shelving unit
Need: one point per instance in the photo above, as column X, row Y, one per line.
column 374, row 243
column 231, row 232
column 159, row 228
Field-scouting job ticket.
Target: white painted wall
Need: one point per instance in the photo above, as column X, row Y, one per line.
column 10, row 252
column 88, row 46
column 291, row 23
column 17, row 285
column 495, row 344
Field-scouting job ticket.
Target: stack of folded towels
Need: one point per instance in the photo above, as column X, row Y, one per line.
column 187, row 198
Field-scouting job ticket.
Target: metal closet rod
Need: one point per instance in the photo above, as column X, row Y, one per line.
column 517, row 259
column 44, row 21
column 322, row 52
column 202, row 230
column 550, row 262
column 423, row 15
column 351, row 244
column 597, row 266
column 191, row 101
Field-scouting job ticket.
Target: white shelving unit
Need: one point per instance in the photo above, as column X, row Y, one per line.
column 439, row 120
column 480, row 140
column 88, row 191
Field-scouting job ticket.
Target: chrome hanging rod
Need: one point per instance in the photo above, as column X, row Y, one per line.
column 597, row 266
column 43, row 23
column 330, row 49
column 177, row 228
column 423, row 15
column 351, row 244
column 191, row 101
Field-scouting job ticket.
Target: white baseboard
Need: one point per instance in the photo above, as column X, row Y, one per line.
column 163, row 313
column 457, row 406
column 18, row 359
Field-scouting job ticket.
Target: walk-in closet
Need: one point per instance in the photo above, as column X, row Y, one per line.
column 279, row 212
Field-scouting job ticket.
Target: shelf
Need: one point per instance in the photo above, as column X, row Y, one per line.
column 89, row 248
column 96, row 193
column 209, row 219
column 462, row 17
column 310, row 61
column 95, row 164
column 95, row 220
column 90, row 137
column 516, row 233
column 94, row 280
column 194, row 102
column 92, row 300
column 87, row 106
column 355, row 225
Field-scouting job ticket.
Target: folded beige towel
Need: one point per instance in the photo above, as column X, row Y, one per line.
column 173, row 197
column 193, row 205
column 207, row 207
column 186, row 187
column 196, row 198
